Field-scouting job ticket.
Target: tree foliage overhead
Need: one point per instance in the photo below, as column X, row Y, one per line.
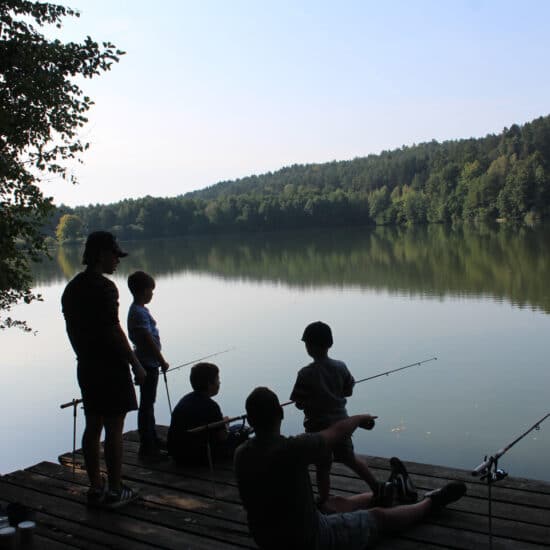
column 503, row 176
column 41, row 113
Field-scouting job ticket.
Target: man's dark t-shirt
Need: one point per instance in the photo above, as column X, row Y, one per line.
column 275, row 488
column 194, row 409
column 90, row 307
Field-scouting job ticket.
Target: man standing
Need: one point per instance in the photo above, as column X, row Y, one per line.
column 274, row 484
column 90, row 307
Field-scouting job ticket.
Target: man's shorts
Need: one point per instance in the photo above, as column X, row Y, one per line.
column 107, row 389
column 348, row 531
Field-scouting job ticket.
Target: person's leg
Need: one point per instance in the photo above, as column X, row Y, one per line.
column 146, row 412
column 322, row 473
column 114, row 425
column 90, row 448
column 340, row 504
column 396, row 519
column 360, row 467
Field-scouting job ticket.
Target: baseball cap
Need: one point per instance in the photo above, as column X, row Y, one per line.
column 99, row 241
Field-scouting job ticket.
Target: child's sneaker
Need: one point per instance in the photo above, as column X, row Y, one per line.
column 447, row 494
column 406, row 491
column 116, row 499
column 95, row 496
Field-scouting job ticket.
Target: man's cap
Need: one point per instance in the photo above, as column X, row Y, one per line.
column 318, row 334
column 99, row 241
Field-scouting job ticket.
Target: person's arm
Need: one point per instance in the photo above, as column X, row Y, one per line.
column 300, row 391
column 221, row 433
column 122, row 345
column 349, row 383
column 144, row 342
column 344, row 428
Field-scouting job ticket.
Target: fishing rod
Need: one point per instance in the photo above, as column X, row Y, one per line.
column 490, row 471
column 167, row 392
column 74, row 404
column 200, row 359
column 220, row 423
column 388, row 372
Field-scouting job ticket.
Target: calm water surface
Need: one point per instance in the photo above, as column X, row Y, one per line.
column 478, row 299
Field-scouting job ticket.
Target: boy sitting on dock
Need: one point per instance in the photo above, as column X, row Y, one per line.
column 143, row 332
column 320, row 391
column 199, row 409
column 275, row 488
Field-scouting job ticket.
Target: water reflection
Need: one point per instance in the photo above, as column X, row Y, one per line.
column 500, row 262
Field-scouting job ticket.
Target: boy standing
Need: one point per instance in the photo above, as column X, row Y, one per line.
column 143, row 332
column 320, row 391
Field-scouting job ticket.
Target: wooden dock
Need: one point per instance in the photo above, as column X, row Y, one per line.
column 197, row 509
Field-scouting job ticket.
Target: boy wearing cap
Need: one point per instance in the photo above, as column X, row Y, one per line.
column 90, row 307
column 320, row 391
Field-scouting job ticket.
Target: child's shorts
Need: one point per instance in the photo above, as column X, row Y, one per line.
column 348, row 531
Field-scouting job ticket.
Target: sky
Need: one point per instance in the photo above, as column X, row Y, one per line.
column 213, row 90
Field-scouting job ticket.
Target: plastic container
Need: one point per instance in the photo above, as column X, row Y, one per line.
column 25, row 531
column 8, row 540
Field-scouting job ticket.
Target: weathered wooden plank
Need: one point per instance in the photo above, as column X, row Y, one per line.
column 220, row 509
column 501, row 510
column 146, row 509
column 34, row 493
column 166, row 489
column 198, row 481
column 464, row 539
column 507, row 503
column 520, row 510
column 432, row 470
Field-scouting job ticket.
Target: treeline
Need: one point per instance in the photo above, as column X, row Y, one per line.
column 505, row 176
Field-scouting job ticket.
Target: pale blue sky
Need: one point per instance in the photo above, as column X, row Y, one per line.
column 215, row 90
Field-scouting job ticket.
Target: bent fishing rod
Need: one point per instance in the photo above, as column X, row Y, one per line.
column 490, row 471
column 220, row 423
column 200, row 359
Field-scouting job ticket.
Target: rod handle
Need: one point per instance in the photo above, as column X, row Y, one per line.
column 70, row 403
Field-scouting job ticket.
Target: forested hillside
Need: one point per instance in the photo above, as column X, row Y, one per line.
column 505, row 176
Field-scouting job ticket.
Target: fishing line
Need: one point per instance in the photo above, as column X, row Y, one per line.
column 201, row 359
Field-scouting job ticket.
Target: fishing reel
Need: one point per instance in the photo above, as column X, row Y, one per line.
column 491, row 472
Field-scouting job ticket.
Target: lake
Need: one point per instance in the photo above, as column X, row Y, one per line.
column 477, row 298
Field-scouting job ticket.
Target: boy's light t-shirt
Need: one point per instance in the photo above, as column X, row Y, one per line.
column 139, row 317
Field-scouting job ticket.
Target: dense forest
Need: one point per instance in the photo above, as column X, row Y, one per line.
column 498, row 177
